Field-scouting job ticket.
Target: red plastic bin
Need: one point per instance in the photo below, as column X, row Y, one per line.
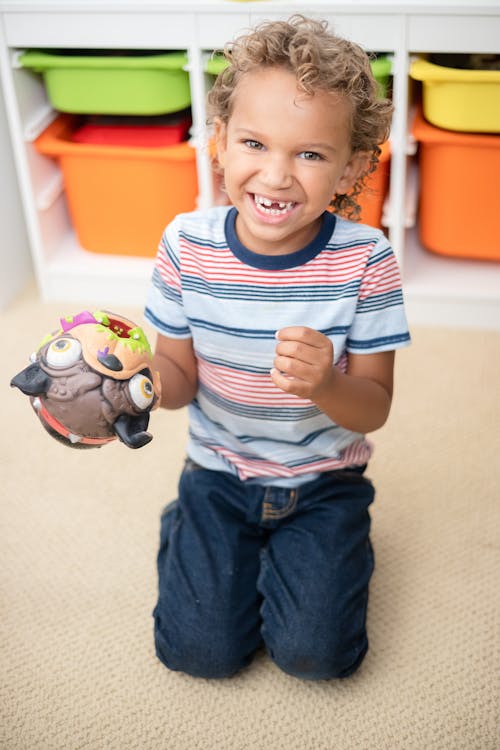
column 127, row 131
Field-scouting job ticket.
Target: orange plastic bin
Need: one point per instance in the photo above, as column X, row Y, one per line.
column 120, row 198
column 458, row 203
column 373, row 195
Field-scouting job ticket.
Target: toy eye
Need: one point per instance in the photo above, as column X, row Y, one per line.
column 141, row 391
column 63, row 352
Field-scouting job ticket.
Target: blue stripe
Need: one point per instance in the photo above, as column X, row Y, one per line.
column 335, row 330
column 165, row 290
column 309, row 461
column 247, row 333
column 170, row 253
column 169, row 330
column 397, row 338
column 251, row 333
column 266, row 413
column 380, row 301
column 375, row 259
column 293, row 293
column 367, row 242
column 238, row 367
column 209, row 244
column 245, row 455
column 306, row 440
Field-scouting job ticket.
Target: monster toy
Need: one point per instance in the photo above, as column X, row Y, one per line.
column 91, row 381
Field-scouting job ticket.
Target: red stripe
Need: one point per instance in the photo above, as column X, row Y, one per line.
column 384, row 277
column 202, row 262
column 354, row 455
column 245, row 388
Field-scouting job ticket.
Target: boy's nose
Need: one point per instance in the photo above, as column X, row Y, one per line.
column 276, row 173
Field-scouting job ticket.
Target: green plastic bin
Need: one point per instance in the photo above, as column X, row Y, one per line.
column 111, row 83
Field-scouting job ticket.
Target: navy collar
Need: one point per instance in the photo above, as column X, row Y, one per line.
column 278, row 262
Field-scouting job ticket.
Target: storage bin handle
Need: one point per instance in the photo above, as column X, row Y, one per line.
column 40, row 120
column 50, row 192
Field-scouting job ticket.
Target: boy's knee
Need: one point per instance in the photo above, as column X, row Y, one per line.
column 198, row 657
column 312, row 661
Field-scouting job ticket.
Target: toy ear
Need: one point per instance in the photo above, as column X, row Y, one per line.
column 132, row 430
column 32, row 381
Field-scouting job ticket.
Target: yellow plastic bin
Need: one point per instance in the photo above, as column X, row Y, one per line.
column 120, row 198
column 459, row 99
column 113, row 83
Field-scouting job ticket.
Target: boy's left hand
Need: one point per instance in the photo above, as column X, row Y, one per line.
column 304, row 362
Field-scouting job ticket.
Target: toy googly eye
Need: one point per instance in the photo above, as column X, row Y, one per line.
column 63, row 352
column 141, row 391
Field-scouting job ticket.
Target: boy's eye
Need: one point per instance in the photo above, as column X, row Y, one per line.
column 310, row 156
column 253, row 144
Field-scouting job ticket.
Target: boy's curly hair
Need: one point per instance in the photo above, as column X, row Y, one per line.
column 320, row 60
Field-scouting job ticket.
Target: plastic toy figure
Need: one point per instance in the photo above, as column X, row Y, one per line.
column 91, row 381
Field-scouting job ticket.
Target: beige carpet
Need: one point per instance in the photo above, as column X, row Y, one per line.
column 77, row 569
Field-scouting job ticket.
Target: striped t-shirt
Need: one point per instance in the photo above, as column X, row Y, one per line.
column 232, row 301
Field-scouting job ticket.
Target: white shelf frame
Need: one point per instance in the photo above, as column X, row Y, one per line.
column 438, row 290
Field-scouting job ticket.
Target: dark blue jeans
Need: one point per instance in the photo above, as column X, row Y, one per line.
column 240, row 565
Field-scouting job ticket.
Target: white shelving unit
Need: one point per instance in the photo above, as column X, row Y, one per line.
column 438, row 290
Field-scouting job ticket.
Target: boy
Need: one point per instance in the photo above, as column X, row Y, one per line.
column 277, row 321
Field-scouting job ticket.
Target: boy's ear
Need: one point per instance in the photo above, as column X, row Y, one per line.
column 355, row 167
column 220, row 139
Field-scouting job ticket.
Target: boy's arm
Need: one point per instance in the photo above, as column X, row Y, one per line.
column 176, row 362
column 359, row 400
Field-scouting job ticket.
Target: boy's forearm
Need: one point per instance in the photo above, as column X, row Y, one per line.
column 178, row 389
column 356, row 403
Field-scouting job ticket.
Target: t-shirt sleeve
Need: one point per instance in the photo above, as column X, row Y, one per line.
column 380, row 321
column 164, row 306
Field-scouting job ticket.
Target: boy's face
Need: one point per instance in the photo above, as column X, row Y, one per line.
column 284, row 155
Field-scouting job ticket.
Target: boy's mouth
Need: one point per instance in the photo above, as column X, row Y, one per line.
column 271, row 207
